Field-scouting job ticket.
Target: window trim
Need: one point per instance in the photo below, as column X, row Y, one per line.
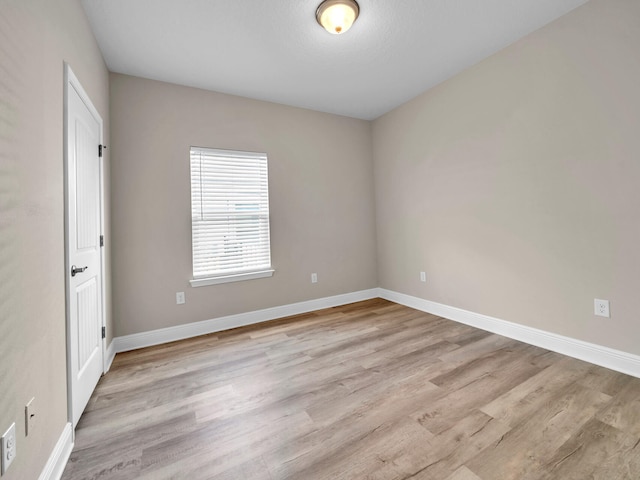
column 227, row 277
column 238, row 277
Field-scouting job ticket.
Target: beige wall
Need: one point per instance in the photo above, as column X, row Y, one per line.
column 35, row 38
column 321, row 201
column 516, row 184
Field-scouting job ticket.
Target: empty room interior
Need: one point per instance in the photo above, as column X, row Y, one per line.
column 306, row 239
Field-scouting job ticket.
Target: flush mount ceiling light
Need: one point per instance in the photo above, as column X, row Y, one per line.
column 337, row 16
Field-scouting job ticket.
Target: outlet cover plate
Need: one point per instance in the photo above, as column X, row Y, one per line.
column 180, row 298
column 9, row 447
column 601, row 308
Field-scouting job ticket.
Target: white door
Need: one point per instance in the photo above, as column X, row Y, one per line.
column 84, row 265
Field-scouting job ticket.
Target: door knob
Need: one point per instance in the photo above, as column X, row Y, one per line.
column 75, row 270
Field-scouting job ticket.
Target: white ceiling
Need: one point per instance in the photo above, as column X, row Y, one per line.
column 274, row 50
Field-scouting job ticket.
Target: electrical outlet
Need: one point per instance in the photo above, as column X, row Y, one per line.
column 180, row 298
column 9, row 447
column 423, row 276
column 601, row 308
column 30, row 417
column 314, row 278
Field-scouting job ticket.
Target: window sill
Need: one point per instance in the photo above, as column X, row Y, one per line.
column 239, row 277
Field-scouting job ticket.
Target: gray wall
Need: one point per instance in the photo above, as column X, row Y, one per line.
column 35, row 38
column 515, row 185
column 321, row 201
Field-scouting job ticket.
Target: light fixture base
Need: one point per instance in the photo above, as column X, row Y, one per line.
column 337, row 16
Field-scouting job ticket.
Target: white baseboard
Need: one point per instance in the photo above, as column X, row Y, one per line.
column 59, row 456
column 605, row 357
column 597, row 354
column 180, row 332
column 110, row 354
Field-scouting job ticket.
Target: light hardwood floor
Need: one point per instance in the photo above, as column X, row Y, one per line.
column 371, row 390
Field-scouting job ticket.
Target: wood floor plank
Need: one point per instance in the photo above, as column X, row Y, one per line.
column 524, row 400
column 455, row 446
column 605, row 381
column 387, row 451
column 623, row 412
column 371, row 390
column 599, row 452
column 522, row 451
column 488, row 377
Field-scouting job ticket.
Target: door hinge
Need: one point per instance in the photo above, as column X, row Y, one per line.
column 104, row 332
column 102, row 240
column 100, row 149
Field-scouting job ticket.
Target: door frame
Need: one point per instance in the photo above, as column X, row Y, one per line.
column 71, row 81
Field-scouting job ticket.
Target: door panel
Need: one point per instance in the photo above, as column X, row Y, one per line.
column 84, row 130
column 87, row 321
column 87, row 184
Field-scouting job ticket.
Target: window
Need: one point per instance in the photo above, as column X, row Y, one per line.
column 229, row 216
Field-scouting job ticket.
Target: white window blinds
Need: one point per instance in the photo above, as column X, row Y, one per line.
column 229, row 213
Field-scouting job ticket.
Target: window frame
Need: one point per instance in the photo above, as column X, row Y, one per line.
column 261, row 271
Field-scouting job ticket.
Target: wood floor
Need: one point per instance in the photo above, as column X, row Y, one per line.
column 371, row 390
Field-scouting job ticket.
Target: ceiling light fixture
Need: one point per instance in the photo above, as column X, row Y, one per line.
column 337, row 16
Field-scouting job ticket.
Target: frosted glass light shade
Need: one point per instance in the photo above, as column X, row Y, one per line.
column 337, row 16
